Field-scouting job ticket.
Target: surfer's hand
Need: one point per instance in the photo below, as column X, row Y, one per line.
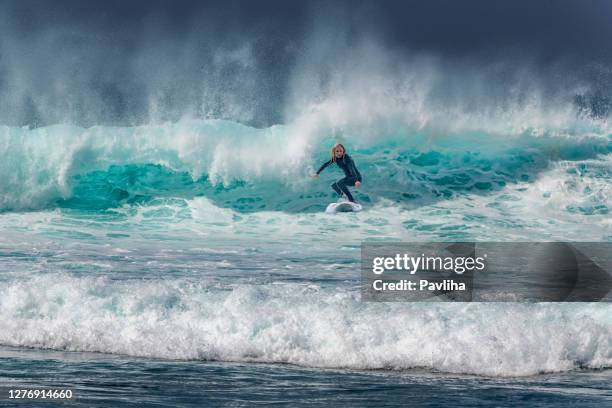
column 315, row 175
column 358, row 184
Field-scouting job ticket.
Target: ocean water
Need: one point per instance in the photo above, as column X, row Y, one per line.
column 166, row 263
column 104, row 379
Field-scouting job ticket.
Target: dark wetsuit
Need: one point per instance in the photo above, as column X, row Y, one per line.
column 350, row 172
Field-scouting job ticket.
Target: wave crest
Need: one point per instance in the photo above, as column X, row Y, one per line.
column 300, row 324
column 102, row 167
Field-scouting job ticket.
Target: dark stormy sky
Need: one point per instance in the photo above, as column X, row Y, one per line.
column 125, row 61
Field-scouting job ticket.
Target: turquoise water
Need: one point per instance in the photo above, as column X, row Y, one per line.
column 200, row 250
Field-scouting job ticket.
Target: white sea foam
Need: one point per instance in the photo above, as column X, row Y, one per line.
column 300, row 324
column 40, row 165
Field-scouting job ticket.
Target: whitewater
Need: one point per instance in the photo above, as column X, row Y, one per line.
column 207, row 240
column 162, row 241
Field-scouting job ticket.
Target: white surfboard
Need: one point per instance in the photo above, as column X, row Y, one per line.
column 343, row 206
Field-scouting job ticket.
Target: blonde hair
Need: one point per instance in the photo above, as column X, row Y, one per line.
column 333, row 151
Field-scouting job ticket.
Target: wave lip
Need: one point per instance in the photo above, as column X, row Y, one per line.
column 300, row 324
column 105, row 167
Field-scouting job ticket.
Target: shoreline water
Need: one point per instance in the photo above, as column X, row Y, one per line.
column 100, row 379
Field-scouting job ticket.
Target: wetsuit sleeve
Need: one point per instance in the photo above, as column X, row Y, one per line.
column 327, row 163
column 354, row 169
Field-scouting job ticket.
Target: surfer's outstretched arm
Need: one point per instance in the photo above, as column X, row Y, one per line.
column 323, row 166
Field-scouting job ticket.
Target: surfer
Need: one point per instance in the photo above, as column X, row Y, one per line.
column 352, row 177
